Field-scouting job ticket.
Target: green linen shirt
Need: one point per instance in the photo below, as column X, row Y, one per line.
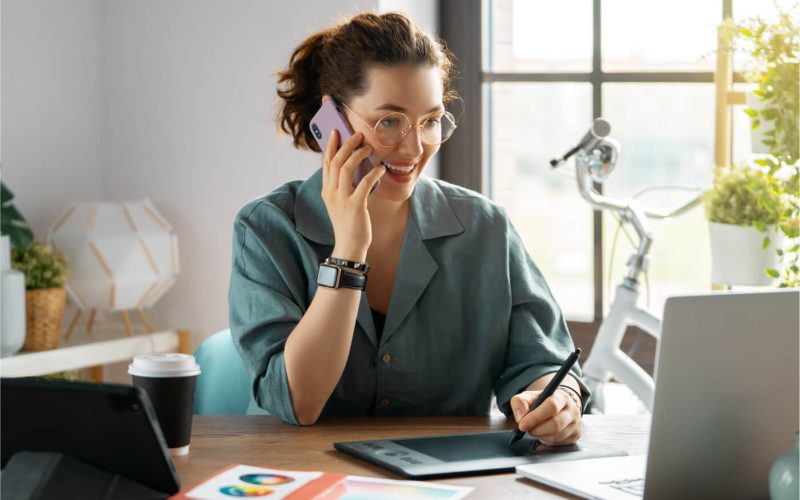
column 470, row 314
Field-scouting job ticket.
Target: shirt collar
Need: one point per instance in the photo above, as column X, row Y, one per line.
column 429, row 206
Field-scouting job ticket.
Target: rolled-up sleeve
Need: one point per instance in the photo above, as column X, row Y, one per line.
column 538, row 339
column 263, row 311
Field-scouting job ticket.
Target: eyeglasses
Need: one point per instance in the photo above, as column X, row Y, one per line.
column 393, row 128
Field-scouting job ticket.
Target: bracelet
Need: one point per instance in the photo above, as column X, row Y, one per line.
column 573, row 391
column 349, row 264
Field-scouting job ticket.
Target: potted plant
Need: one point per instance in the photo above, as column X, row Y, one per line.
column 774, row 109
column 773, row 52
column 45, row 272
column 743, row 208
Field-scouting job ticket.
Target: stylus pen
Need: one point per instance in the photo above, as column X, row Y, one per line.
column 549, row 390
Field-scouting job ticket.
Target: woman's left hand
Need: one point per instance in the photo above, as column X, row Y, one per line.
column 557, row 421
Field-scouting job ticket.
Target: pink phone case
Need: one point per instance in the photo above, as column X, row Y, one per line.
column 330, row 116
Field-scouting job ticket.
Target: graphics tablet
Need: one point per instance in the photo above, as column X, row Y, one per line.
column 112, row 427
column 463, row 454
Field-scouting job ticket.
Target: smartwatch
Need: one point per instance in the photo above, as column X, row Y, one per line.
column 333, row 277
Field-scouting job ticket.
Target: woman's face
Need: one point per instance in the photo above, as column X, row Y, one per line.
column 414, row 91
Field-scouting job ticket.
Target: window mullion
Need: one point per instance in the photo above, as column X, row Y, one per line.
column 597, row 111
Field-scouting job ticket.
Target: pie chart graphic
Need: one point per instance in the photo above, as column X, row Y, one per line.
column 266, row 479
column 246, row 491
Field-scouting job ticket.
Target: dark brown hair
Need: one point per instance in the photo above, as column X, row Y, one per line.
column 334, row 61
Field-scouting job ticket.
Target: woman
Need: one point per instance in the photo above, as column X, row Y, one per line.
column 454, row 310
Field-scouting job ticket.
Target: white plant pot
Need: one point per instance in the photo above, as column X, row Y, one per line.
column 737, row 257
column 12, row 304
column 757, row 135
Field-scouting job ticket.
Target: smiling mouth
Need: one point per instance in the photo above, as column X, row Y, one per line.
column 399, row 170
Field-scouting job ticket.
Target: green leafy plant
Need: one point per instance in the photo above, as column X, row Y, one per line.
column 774, row 50
column 69, row 376
column 744, row 196
column 13, row 223
column 43, row 266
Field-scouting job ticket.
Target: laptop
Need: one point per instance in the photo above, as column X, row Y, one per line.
column 726, row 404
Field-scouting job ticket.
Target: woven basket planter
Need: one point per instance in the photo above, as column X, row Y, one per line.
column 44, row 313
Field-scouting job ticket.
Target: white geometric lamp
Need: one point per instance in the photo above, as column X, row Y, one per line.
column 121, row 256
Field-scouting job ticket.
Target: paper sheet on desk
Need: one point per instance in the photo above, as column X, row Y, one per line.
column 248, row 481
column 370, row 488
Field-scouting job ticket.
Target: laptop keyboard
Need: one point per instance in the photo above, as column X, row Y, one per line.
column 634, row 486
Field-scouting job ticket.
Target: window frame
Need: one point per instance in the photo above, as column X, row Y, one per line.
column 466, row 158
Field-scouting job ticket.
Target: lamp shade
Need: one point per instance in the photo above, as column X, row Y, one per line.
column 120, row 255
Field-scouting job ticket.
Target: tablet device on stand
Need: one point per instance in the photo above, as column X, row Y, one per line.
column 107, row 426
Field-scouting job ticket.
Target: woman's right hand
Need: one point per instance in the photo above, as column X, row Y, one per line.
column 347, row 206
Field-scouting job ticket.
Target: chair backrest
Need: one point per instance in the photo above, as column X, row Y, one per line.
column 223, row 387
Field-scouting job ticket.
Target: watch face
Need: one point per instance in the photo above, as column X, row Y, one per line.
column 327, row 276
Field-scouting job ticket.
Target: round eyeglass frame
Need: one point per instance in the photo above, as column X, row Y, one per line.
column 446, row 114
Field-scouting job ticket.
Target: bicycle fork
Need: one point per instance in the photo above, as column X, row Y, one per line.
column 607, row 359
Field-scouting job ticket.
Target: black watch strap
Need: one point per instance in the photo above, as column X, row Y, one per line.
column 334, row 277
column 350, row 264
column 353, row 280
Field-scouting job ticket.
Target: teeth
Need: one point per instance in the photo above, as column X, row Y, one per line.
column 393, row 168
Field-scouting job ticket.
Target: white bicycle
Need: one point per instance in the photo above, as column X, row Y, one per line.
column 595, row 158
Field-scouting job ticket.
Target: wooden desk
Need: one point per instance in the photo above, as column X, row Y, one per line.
column 267, row 442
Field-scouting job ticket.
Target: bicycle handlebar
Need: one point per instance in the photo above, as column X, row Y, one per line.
column 601, row 201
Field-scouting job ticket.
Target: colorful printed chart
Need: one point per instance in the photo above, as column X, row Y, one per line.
column 266, row 479
column 247, row 481
column 246, row 491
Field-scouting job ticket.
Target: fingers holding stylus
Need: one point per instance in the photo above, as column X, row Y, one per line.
column 556, row 421
column 568, row 435
column 549, row 408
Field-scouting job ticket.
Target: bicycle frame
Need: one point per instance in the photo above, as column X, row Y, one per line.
column 606, row 358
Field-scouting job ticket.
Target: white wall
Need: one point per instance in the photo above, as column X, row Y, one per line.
column 50, row 105
column 120, row 99
column 189, row 123
column 424, row 12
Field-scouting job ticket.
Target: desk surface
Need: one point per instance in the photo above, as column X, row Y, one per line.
column 267, row 442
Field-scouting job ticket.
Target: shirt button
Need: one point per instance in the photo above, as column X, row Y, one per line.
column 384, row 402
column 386, row 358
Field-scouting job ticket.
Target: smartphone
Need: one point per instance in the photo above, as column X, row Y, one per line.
column 331, row 116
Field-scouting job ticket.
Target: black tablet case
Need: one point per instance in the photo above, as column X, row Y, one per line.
column 111, row 427
column 41, row 475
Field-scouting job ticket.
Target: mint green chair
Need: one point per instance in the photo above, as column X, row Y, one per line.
column 223, row 387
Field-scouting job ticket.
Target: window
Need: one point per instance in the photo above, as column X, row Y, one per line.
column 546, row 70
column 667, row 136
column 544, row 205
